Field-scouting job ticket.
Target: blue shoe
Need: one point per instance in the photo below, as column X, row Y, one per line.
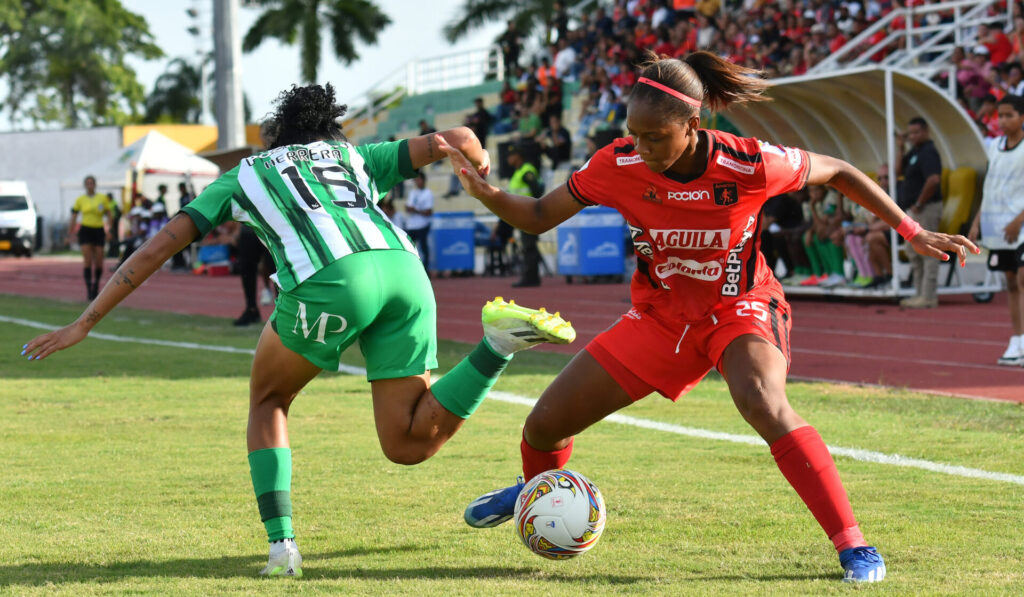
column 493, row 508
column 862, row 564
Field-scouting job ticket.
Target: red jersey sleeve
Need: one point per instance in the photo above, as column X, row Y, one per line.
column 591, row 183
column 785, row 168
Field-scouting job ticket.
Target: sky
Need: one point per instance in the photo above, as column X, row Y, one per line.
column 415, row 32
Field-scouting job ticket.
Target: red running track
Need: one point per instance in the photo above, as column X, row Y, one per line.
column 949, row 350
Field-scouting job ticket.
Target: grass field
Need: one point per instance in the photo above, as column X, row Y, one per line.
column 126, row 473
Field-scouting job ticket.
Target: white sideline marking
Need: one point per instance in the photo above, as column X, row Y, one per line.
column 753, row 440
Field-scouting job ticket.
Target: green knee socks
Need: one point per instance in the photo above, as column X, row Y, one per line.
column 463, row 388
column 271, row 471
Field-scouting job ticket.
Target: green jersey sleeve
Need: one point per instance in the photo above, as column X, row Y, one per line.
column 389, row 163
column 213, row 206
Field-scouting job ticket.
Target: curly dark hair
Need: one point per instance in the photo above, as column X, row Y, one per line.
column 304, row 115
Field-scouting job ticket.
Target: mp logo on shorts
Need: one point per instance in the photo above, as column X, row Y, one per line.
column 726, row 193
column 320, row 325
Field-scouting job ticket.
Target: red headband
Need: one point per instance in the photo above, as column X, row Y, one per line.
column 670, row 91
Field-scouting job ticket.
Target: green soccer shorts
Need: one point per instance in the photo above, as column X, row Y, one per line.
column 383, row 298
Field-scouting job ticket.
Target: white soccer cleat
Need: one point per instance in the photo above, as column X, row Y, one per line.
column 285, row 559
column 510, row 328
column 1014, row 354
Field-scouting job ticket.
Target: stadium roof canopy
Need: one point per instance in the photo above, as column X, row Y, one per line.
column 846, row 115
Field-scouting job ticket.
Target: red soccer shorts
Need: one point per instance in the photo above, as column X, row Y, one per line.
column 645, row 353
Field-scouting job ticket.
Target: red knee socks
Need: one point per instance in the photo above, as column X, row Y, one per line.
column 536, row 462
column 806, row 463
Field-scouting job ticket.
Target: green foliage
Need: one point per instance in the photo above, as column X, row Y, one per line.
column 65, row 61
column 126, row 474
column 289, row 21
column 529, row 16
column 176, row 94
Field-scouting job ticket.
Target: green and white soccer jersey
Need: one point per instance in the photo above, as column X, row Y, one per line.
column 310, row 204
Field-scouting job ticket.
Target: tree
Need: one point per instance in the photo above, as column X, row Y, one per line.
column 65, row 61
column 176, row 95
column 291, row 20
column 527, row 14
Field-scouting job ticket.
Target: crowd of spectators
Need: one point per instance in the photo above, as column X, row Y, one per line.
column 599, row 50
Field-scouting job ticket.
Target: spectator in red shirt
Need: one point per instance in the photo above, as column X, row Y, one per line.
column 999, row 46
column 644, row 38
column 1017, row 39
column 835, row 37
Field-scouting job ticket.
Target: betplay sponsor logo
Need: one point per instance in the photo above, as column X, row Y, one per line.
column 733, row 263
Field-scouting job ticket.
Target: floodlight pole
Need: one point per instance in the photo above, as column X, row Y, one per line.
column 890, row 136
column 227, row 49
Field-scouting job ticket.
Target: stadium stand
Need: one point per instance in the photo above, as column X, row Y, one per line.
column 966, row 47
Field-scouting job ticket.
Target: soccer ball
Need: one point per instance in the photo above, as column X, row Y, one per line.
column 559, row 514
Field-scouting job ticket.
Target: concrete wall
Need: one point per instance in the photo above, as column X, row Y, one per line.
column 45, row 159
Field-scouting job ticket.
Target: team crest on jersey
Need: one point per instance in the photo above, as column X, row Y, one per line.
column 651, row 194
column 726, row 193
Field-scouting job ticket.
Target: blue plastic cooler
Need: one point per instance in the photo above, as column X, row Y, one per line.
column 591, row 243
column 451, row 241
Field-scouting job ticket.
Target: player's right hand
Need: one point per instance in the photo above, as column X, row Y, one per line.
column 43, row 346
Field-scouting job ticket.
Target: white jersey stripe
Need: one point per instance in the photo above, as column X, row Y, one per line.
column 294, row 250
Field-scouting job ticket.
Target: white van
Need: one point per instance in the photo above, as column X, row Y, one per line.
column 17, row 219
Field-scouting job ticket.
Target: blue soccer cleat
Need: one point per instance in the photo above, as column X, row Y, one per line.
column 862, row 564
column 493, row 508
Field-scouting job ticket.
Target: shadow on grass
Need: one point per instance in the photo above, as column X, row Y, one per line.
column 242, row 567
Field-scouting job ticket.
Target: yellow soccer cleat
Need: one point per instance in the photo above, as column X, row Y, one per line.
column 509, row 327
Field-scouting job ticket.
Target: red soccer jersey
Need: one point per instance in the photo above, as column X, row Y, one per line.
column 696, row 241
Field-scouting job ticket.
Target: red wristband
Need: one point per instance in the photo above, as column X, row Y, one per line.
column 908, row 228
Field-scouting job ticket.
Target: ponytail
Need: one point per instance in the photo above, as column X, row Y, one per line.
column 726, row 83
column 712, row 81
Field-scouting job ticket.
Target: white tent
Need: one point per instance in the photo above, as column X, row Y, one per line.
column 153, row 160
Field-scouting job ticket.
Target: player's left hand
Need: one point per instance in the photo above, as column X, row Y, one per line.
column 938, row 245
column 43, row 346
column 470, row 176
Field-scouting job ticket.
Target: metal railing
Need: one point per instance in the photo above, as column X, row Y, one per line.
column 924, row 50
column 437, row 73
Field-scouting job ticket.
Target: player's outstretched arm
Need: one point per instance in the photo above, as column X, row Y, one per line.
column 424, row 149
column 856, row 185
column 530, row 215
column 173, row 237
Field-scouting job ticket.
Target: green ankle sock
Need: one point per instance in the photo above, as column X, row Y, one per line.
column 462, row 389
column 271, row 471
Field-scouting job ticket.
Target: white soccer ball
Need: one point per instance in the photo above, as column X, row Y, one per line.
column 559, row 514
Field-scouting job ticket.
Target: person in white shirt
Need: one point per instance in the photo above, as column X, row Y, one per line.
column 999, row 221
column 418, row 210
column 564, row 60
